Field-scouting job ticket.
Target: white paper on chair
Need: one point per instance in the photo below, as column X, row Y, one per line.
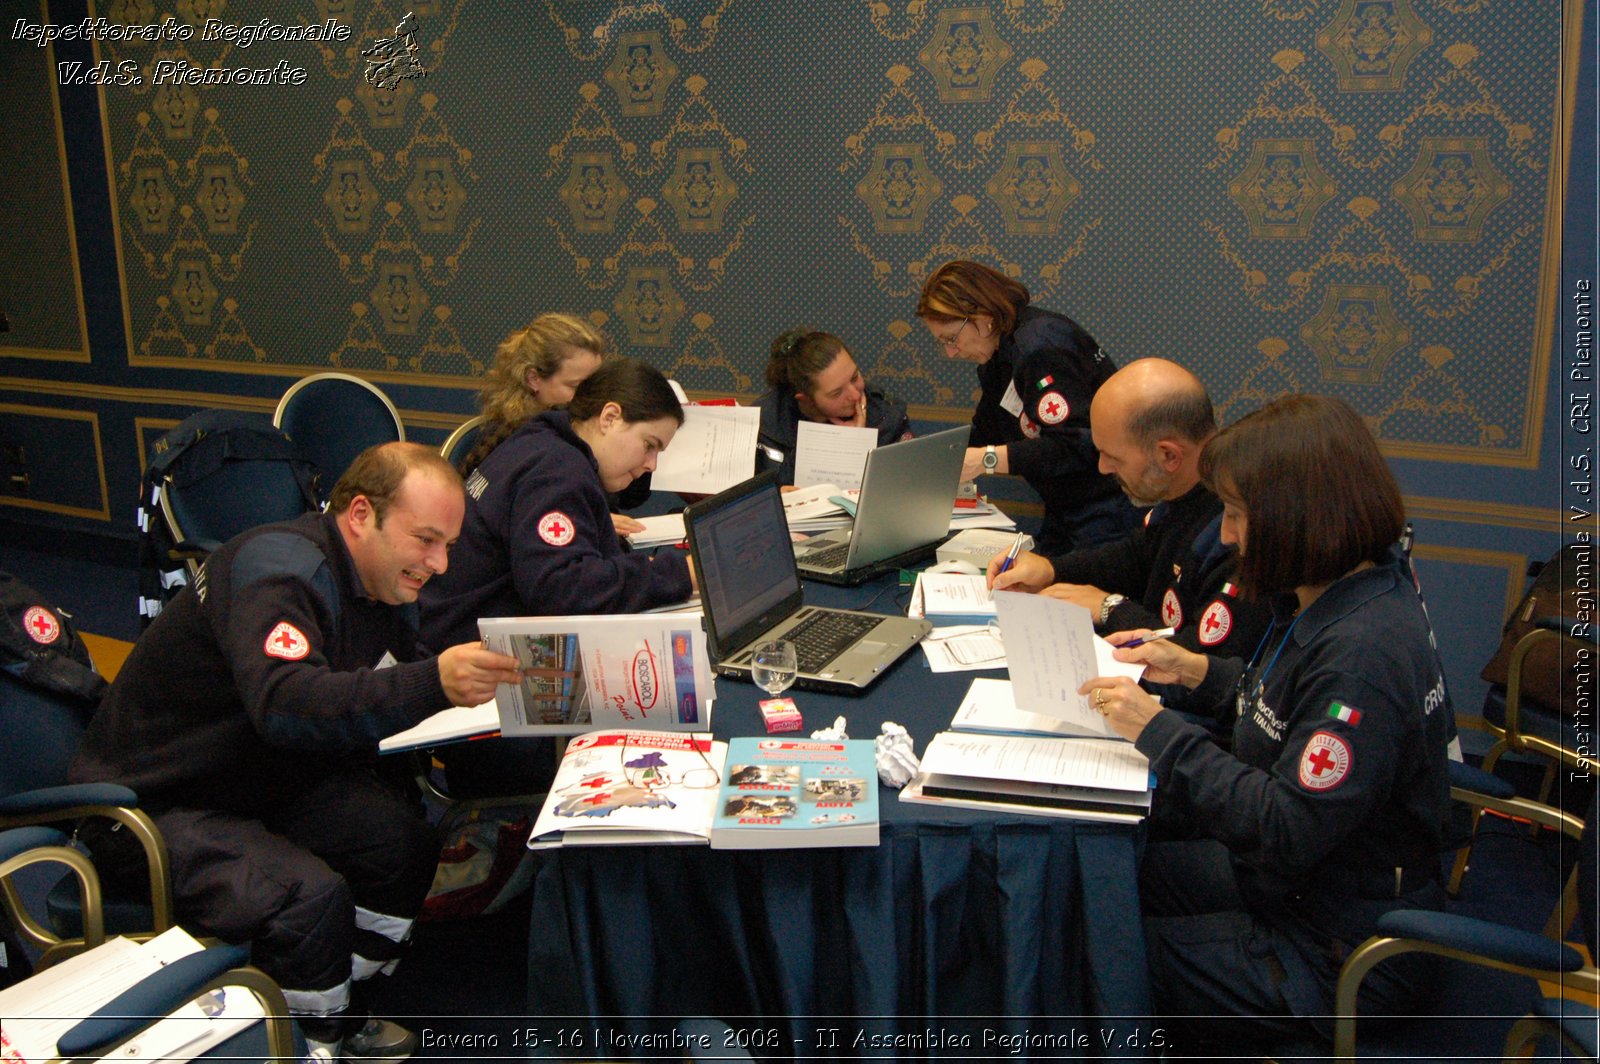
column 41, row 1009
column 831, row 454
column 714, row 448
column 1051, row 650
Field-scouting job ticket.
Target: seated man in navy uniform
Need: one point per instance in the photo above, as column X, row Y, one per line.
column 1150, row 420
column 248, row 717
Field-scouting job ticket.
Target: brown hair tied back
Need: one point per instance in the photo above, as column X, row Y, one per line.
column 798, row 356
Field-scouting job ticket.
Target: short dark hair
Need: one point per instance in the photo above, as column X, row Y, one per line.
column 637, row 387
column 379, row 471
column 1185, row 415
column 1318, row 496
column 798, row 356
column 960, row 289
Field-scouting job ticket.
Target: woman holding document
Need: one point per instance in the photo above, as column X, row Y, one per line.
column 538, row 538
column 1038, row 371
column 1277, row 858
column 814, row 378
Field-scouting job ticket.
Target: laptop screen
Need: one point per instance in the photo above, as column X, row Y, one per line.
column 745, row 561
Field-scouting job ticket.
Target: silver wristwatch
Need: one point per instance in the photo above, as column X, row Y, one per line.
column 991, row 461
column 1109, row 603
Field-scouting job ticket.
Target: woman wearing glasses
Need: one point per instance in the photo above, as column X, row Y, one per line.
column 1278, row 858
column 1038, row 371
column 814, row 378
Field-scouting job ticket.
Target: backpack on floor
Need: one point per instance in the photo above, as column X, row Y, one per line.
column 484, row 861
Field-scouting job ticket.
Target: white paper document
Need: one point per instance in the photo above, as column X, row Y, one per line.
column 659, row 530
column 38, row 1011
column 628, row 670
column 1051, row 650
column 991, row 706
column 451, row 725
column 1038, row 759
column 831, row 454
column 714, row 448
column 955, row 595
column 964, row 648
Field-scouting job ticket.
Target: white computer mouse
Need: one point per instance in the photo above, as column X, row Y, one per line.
column 955, row 567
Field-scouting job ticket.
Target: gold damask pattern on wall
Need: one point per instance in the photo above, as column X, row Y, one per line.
column 1351, row 196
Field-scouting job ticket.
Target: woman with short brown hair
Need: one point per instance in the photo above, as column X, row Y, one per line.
column 1038, row 370
column 1269, row 862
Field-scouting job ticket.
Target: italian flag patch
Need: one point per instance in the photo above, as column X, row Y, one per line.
column 1232, row 591
column 1045, row 381
column 1349, row 714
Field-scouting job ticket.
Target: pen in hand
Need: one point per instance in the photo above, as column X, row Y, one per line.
column 1159, row 633
column 1011, row 555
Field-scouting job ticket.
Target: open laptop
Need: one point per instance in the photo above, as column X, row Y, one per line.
column 903, row 513
column 750, row 591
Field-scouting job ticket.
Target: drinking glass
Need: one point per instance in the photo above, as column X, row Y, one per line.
column 773, row 666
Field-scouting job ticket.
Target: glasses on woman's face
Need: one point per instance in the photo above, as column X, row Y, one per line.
column 651, row 770
column 950, row 340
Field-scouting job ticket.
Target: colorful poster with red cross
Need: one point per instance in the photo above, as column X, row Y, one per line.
column 1053, row 408
column 287, row 642
column 41, row 625
column 1215, row 623
column 1171, row 611
column 555, row 528
column 1325, row 762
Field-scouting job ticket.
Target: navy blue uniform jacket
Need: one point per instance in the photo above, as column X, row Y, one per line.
column 272, row 667
column 538, row 541
column 1056, row 367
column 1336, row 789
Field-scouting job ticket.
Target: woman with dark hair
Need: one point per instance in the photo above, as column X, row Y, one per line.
column 1038, row 371
column 538, row 537
column 1277, row 858
column 814, row 378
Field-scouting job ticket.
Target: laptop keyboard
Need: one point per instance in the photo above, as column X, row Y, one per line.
column 831, row 558
column 822, row 636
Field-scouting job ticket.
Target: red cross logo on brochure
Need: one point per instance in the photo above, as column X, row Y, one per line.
column 41, row 625
column 1325, row 762
column 1053, row 409
column 555, row 528
column 1215, row 623
column 287, row 642
column 1171, row 612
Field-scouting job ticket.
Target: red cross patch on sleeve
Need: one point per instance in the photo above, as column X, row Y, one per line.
column 287, row 642
column 1325, row 762
column 41, row 625
column 1171, row 609
column 555, row 528
column 1053, row 408
column 1215, row 623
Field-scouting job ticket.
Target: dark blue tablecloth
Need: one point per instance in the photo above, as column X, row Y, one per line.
column 963, row 934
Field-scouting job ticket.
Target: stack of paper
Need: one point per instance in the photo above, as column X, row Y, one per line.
column 1087, row 779
column 38, row 1011
column 659, row 531
column 815, row 509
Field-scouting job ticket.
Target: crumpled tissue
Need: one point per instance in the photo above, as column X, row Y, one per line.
column 834, row 734
column 897, row 758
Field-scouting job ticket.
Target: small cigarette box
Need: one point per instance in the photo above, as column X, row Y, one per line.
column 781, row 715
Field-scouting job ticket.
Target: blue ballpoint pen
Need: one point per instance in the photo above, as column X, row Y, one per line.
column 1159, row 633
column 1011, row 555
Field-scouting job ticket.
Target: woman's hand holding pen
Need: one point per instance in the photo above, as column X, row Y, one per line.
column 1163, row 661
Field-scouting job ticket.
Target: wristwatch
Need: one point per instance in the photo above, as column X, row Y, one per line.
column 991, row 461
column 1107, row 604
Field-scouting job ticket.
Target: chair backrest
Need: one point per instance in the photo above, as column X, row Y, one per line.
column 218, row 473
column 460, row 442
column 332, row 417
column 42, row 730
